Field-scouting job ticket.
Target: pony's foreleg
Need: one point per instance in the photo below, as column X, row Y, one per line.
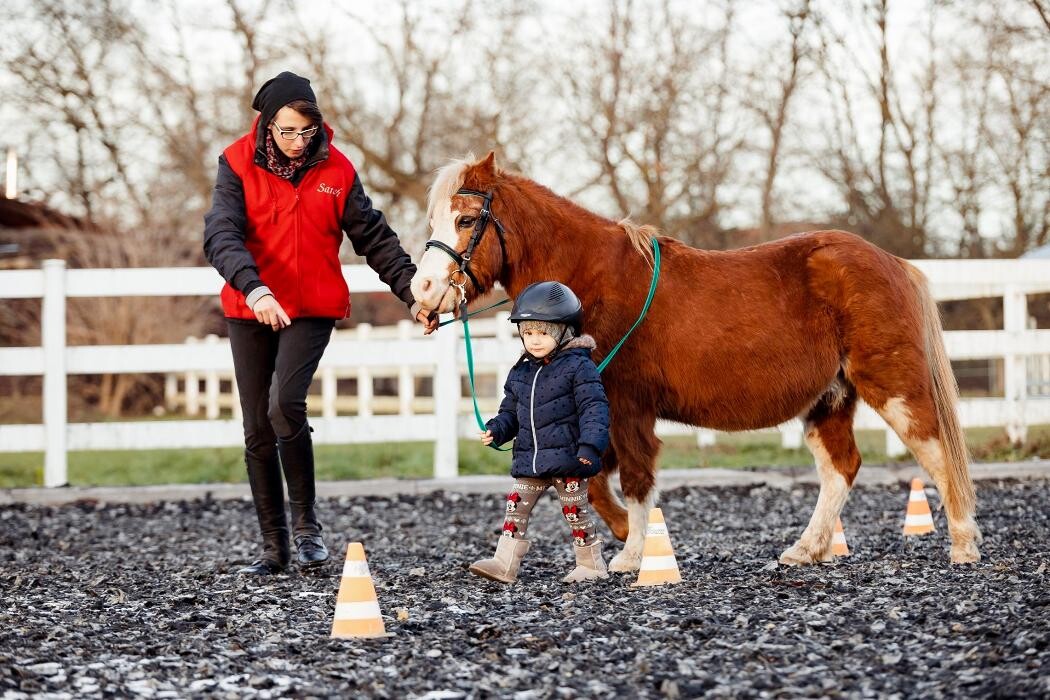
column 827, row 434
column 604, row 500
column 630, row 558
column 636, row 445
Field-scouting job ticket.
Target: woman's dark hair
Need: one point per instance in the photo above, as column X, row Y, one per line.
column 308, row 109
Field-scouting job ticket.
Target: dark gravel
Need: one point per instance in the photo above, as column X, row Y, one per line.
column 142, row 600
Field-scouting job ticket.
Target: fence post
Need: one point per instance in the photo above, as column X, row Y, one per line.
column 329, row 392
column 791, row 434
column 705, row 437
column 503, row 335
column 364, row 376
column 235, row 399
column 53, row 339
column 1015, row 322
column 171, row 392
column 446, row 404
column 895, row 447
column 406, row 386
column 192, row 389
column 211, row 385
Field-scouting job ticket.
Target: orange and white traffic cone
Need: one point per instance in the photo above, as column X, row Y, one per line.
column 356, row 607
column 659, row 565
column 839, row 548
column 919, row 519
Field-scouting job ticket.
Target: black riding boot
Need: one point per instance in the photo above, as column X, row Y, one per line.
column 297, row 459
column 264, row 476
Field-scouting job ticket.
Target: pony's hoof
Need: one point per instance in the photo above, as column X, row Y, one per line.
column 965, row 554
column 797, row 555
column 625, row 562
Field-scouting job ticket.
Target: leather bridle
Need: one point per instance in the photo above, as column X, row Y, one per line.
column 459, row 276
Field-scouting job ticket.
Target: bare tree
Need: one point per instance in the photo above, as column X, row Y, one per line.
column 442, row 100
column 71, row 76
column 651, row 96
column 886, row 187
column 772, row 102
column 1017, row 131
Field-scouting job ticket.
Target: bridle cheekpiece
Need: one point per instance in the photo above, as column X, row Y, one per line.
column 458, row 278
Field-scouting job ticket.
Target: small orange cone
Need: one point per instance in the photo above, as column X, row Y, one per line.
column 839, row 548
column 659, row 565
column 356, row 607
column 918, row 520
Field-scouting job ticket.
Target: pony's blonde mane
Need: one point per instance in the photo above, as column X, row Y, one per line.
column 639, row 236
column 449, row 179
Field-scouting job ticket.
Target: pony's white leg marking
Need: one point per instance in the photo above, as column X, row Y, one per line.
column 962, row 528
column 815, row 543
column 630, row 558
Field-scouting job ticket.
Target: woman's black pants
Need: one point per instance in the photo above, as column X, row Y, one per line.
column 274, row 370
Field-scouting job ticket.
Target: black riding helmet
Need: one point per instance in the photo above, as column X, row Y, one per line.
column 548, row 301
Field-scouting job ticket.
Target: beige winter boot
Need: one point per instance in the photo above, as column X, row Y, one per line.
column 589, row 564
column 503, row 566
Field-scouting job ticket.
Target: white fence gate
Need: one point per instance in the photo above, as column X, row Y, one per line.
column 405, row 353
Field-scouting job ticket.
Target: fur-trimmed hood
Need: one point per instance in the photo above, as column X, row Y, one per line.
column 583, row 342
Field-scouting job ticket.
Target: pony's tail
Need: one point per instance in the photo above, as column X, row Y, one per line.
column 960, row 499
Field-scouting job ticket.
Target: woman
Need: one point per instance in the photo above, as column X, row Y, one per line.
column 283, row 197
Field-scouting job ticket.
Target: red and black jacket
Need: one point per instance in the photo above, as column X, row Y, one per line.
column 264, row 229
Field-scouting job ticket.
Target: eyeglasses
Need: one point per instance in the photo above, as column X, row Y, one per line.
column 292, row 134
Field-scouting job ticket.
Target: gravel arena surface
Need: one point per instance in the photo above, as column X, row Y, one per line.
column 142, row 600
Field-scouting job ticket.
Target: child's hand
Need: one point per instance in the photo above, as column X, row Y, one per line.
column 584, row 460
column 486, row 437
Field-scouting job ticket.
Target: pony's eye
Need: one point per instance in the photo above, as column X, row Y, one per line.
column 467, row 221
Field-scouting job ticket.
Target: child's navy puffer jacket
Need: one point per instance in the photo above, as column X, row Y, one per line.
column 558, row 412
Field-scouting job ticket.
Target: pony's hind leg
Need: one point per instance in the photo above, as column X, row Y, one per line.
column 604, row 501
column 636, row 446
column 914, row 420
column 829, row 436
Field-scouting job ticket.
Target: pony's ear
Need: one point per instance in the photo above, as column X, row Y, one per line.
column 487, row 167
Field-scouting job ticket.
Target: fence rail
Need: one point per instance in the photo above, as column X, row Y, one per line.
column 401, row 354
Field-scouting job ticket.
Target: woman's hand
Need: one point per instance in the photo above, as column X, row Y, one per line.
column 486, row 437
column 268, row 311
column 429, row 319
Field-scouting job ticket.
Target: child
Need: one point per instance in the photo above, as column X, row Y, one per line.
column 555, row 406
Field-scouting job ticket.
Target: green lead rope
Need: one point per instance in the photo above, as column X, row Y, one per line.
column 645, row 309
column 608, row 358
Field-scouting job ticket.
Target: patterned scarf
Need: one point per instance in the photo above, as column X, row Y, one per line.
column 278, row 163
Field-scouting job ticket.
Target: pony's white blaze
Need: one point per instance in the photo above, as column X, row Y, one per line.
column 815, row 543
column 430, row 285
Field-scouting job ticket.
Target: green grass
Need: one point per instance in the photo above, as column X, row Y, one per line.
column 414, row 460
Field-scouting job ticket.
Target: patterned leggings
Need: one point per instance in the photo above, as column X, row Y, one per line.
column 572, row 492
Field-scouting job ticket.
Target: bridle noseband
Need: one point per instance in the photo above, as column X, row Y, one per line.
column 457, row 278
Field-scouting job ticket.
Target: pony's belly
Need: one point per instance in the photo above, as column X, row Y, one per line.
column 737, row 420
column 747, row 407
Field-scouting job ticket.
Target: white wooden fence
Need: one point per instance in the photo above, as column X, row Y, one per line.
column 403, row 352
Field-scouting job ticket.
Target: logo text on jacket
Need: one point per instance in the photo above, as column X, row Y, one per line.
column 325, row 189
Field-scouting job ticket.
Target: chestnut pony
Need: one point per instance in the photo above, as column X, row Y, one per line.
column 735, row 340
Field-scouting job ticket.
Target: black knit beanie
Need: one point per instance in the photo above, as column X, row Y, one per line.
column 279, row 91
